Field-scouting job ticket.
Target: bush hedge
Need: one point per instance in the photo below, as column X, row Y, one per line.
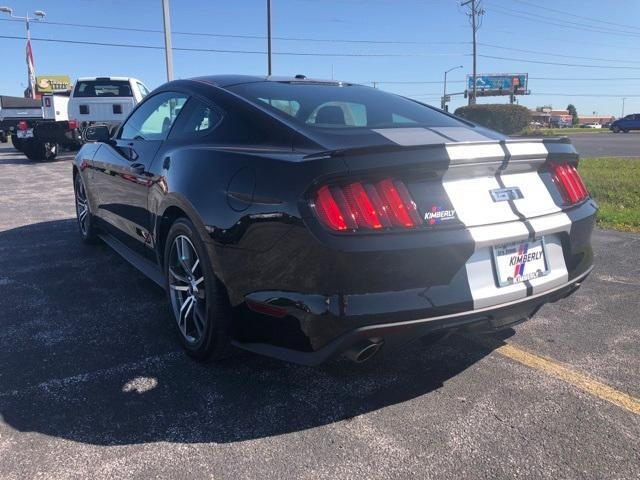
column 507, row 119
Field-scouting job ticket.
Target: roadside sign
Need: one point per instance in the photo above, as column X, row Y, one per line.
column 488, row 85
column 52, row 83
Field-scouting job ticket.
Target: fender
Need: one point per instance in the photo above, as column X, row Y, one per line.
column 178, row 200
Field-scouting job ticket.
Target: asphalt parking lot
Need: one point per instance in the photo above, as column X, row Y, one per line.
column 607, row 144
column 94, row 385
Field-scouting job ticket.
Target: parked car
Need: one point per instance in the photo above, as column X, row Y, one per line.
column 591, row 125
column 630, row 122
column 304, row 218
column 93, row 100
column 14, row 110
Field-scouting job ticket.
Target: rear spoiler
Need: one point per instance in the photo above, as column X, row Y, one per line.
column 464, row 152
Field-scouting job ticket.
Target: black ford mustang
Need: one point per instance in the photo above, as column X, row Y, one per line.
column 302, row 219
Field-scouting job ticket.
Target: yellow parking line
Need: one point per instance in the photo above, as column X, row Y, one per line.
column 572, row 377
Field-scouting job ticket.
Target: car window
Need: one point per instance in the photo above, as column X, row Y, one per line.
column 290, row 107
column 102, row 88
column 629, row 117
column 153, row 119
column 349, row 114
column 341, row 106
column 144, row 91
column 198, row 119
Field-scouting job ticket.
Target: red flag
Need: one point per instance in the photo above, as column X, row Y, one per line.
column 31, row 69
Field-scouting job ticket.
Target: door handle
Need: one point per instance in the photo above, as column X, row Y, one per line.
column 137, row 168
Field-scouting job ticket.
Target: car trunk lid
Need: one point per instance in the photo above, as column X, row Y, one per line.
column 469, row 183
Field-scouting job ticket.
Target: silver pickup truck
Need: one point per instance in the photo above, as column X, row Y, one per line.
column 14, row 110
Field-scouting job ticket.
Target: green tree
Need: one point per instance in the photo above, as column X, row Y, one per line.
column 574, row 114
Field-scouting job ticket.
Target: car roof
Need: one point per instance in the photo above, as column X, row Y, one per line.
column 90, row 79
column 229, row 80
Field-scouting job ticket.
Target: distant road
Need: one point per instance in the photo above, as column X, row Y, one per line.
column 607, row 145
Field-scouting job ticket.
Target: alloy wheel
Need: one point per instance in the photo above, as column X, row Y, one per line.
column 82, row 206
column 187, row 289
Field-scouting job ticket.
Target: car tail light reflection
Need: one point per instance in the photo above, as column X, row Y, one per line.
column 568, row 182
column 22, row 125
column 366, row 206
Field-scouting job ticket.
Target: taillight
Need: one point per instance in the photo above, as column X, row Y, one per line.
column 568, row 182
column 22, row 125
column 73, row 124
column 367, row 206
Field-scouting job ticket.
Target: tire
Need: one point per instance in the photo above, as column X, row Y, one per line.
column 86, row 225
column 3, row 137
column 36, row 150
column 615, row 129
column 17, row 142
column 626, row 130
column 202, row 315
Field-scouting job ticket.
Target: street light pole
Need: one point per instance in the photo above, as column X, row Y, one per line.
column 443, row 104
column 623, row 99
column 269, row 37
column 168, row 51
column 39, row 15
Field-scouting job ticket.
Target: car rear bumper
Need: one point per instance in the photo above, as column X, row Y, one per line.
column 323, row 301
column 395, row 334
column 57, row 132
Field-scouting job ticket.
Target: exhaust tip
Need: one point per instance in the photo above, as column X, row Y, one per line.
column 364, row 350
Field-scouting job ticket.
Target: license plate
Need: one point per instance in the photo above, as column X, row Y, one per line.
column 25, row 133
column 520, row 261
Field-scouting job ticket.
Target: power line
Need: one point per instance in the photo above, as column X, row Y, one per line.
column 572, row 79
column 309, row 39
column 245, row 36
column 250, row 52
column 538, row 52
column 590, row 19
column 565, row 24
column 587, row 95
column 619, row 67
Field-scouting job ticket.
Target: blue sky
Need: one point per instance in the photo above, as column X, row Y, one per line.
column 603, row 36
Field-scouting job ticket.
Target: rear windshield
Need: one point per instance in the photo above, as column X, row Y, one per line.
column 103, row 88
column 341, row 106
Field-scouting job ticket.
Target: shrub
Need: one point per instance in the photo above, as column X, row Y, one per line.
column 507, row 119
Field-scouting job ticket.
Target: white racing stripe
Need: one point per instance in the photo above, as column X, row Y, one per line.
column 472, row 201
column 411, row 136
column 521, row 149
column 469, row 153
column 483, row 285
column 492, row 223
column 558, row 274
column 536, row 197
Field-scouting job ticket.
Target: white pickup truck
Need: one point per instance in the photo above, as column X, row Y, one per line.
column 93, row 100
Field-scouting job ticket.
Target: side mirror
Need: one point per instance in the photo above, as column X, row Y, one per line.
column 97, row 133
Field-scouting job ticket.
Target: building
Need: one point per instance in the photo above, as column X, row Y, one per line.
column 562, row 118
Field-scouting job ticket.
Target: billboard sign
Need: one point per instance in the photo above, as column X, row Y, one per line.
column 499, row 84
column 52, row 83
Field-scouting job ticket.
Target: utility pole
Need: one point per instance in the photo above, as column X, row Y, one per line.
column 269, row 37
column 476, row 12
column 31, row 74
column 623, row 99
column 168, row 52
